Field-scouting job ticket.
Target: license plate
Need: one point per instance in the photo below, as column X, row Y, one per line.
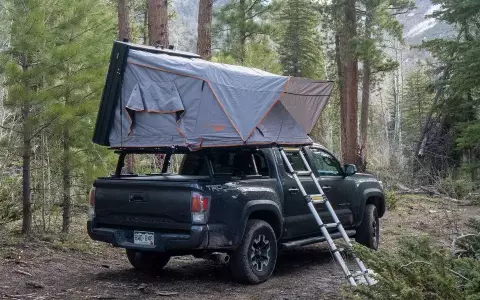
column 143, row 238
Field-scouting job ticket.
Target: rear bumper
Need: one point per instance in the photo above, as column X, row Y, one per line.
column 197, row 239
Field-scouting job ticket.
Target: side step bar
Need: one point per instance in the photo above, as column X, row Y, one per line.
column 313, row 240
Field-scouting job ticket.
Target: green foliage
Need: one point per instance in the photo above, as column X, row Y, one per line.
column 391, row 199
column 376, row 27
column 239, row 22
column 461, row 60
column 458, row 187
column 259, row 54
column 468, row 245
column 418, row 270
column 83, row 37
column 300, row 48
column 380, row 23
column 417, row 102
column 54, row 70
column 10, row 209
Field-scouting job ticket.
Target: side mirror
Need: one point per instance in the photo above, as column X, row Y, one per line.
column 350, row 169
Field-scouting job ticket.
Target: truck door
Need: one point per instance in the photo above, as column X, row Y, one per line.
column 339, row 190
column 298, row 219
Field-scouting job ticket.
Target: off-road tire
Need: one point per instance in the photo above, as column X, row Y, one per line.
column 255, row 266
column 149, row 262
column 368, row 233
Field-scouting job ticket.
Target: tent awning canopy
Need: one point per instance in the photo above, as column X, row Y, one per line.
column 161, row 98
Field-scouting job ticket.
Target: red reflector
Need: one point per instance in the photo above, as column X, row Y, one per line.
column 92, row 196
column 199, row 202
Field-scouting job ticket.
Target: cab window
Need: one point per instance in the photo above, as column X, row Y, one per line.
column 296, row 161
column 325, row 163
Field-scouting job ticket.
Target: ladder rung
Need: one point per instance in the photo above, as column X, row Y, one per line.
column 291, row 149
column 317, row 198
column 302, row 173
column 359, row 274
column 331, row 225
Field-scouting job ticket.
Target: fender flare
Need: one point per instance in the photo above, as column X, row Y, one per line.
column 369, row 193
column 253, row 206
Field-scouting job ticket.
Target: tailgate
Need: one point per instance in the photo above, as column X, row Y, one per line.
column 143, row 203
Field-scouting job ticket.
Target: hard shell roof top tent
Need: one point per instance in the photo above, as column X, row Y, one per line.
column 162, row 98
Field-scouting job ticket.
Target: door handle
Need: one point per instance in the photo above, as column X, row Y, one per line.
column 326, row 188
column 293, row 190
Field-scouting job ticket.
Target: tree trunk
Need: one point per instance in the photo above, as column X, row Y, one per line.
column 26, row 190
column 66, row 181
column 123, row 33
column 242, row 30
column 349, row 93
column 145, row 27
column 204, row 40
column 123, row 20
column 158, row 22
column 338, row 58
column 26, row 158
column 367, row 73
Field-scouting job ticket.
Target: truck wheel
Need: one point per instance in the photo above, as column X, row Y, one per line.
column 368, row 233
column 150, row 262
column 255, row 258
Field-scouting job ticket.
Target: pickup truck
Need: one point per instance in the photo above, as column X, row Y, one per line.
column 239, row 205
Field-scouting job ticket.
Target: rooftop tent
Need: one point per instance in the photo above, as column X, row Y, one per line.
column 163, row 98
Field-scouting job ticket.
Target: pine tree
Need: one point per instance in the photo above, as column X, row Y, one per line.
column 259, row 54
column 25, row 61
column 241, row 21
column 417, row 101
column 83, row 37
column 458, row 93
column 300, row 47
column 380, row 22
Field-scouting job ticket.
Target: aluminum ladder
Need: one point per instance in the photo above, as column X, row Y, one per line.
column 322, row 199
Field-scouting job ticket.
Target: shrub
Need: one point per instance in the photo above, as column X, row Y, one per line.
column 419, row 270
column 391, row 199
column 10, row 209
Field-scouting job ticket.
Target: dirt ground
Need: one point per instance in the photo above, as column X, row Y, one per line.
column 82, row 269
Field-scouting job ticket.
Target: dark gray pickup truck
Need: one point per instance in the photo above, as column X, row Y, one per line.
column 238, row 205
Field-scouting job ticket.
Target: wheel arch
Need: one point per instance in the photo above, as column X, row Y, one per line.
column 376, row 197
column 266, row 210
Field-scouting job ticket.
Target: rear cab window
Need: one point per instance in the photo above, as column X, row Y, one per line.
column 241, row 163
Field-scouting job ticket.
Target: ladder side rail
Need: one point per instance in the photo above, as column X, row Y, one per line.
column 331, row 244
column 336, row 220
column 323, row 229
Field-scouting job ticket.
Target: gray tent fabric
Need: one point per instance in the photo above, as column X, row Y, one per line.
column 176, row 101
column 305, row 99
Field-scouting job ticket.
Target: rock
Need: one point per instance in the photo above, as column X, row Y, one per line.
column 142, row 287
column 432, row 211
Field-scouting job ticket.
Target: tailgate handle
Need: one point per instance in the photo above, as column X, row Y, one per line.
column 137, row 197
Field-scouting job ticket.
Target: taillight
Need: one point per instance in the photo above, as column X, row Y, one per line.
column 199, row 208
column 91, row 209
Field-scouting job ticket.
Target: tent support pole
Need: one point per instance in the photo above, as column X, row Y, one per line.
column 120, row 164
